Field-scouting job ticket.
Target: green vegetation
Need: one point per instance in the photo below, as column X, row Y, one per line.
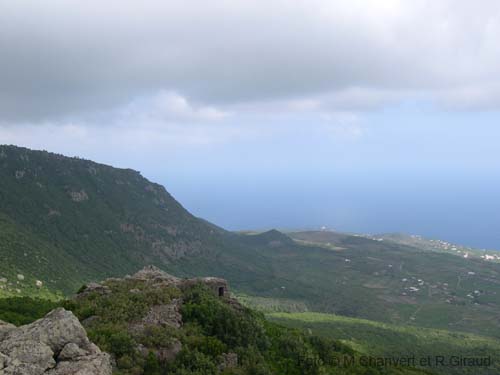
column 379, row 339
column 121, row 306
column 24, row 310
column 66, row 221
column 213, row 329
column 394, row 283
column 437, row 245
column 271, row 304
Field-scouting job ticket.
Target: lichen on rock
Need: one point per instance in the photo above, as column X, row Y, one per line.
column 56, row 344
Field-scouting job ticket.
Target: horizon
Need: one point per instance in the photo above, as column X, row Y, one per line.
column 250, row 187
column 210, row 210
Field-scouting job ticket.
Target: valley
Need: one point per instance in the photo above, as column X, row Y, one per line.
column 67, row 221
column 398, row 341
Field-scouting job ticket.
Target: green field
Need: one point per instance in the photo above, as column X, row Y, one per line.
column 388, row 340
column 66, row 221
column 212, row 326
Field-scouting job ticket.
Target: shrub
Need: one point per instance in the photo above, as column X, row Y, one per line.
column 232, row 327
column 152, row 366
column 121, row 344
column 24, row 310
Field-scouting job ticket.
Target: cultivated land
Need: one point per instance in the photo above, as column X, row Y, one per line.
column 397, row 341
column 153, row 323
column 66, row 221
column 437, row 245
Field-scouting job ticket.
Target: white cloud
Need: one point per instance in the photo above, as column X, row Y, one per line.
column 62, row 58
column 164, row 119
column 484, row 97
column 166, row 106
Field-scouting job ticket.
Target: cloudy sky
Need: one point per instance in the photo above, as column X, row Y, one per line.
column 370, row 116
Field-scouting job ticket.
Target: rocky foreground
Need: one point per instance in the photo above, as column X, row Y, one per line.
column 56, row 345
column 153, row 323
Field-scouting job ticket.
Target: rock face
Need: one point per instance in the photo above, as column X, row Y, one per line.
column 94, row 287
column 165, row 315
column 158, row 313
column 152, row 273
column 56, row 345
column 78, row 196
column 169, row 354
column 5, row 328
column 228, row 360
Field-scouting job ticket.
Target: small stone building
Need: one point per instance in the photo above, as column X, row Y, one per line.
column 217, row 285
column 156, row 276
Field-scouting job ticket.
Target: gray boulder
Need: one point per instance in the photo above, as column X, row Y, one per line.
column 34, row 355
column 71, row 351
column 4, row 361
column 56, row 344
column 94, row 364
column 5, row 328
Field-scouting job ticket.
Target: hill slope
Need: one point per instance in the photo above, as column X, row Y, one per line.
column 153, row 323
column 90, row 219
column 386, row 340
column 65, row 221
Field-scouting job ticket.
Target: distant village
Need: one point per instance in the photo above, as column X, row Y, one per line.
column 440, row 245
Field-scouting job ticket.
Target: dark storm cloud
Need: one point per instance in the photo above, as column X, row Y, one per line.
column 61, row 58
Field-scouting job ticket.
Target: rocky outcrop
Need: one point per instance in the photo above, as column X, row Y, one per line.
column 169, row 354
column 227, row 361
column 78, row 196
column 56, row 345
column 160, row 278
column 94, row 287
column 5, row 328
column 158, row 313
column 165, row 315
column 154, row 274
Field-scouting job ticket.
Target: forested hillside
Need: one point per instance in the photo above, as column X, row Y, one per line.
column 65, row 221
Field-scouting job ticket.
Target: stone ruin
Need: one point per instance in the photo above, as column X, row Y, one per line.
column 164, row 314
column 155, row 275
column 58, row 344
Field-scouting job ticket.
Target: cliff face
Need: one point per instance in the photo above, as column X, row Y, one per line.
column 64, row 221
column 54, row 345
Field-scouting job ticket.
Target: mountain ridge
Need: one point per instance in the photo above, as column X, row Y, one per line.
column 107, row 219
column 66, row 221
